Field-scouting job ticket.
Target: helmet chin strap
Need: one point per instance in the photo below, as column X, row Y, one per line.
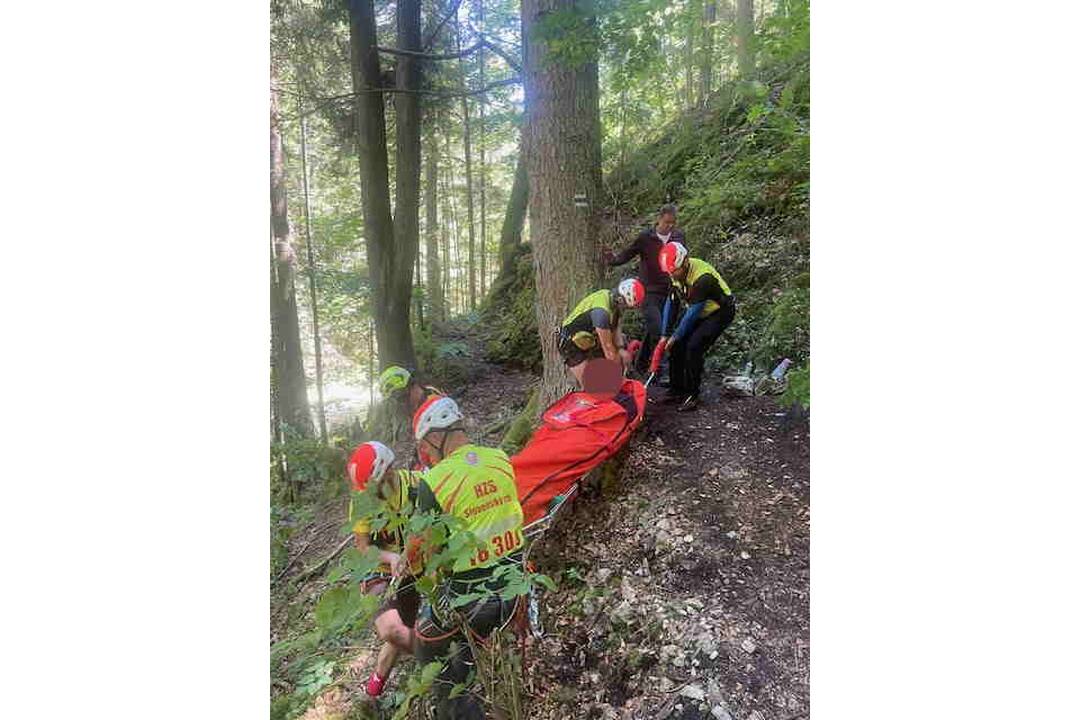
column 442, row 445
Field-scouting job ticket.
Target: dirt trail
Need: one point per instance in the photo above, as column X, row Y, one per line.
column 684, row 589
column 693, row 597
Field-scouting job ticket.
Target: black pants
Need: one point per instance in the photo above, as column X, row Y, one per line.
column 688, row 354
column 652, row 310
column 438, row 639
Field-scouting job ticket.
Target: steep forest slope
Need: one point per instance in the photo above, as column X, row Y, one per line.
column 739, row 171
column 682, row 582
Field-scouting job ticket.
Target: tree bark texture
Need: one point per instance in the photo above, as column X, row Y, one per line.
column 708, row 32
column 312, row 285
column 688, row 58
column 744, row 37
column 286, row 355
column 436, row 307
column 481, row 59
column 407, row 165
column 389, row 261
column 562, row 112
column 514, row 219
column 467, row 125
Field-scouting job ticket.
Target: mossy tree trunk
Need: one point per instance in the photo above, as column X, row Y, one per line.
column 286, row 355
column 436, row 306
column 744, row 37
column 467, row 129
column 708, row 31
column 514, row 219
column 562, row 111
column 390, row 258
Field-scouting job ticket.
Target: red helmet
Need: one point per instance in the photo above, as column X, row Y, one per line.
column 632, row 292
column 368, row 462
column 672, row 256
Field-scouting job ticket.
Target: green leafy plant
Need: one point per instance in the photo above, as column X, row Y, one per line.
column 798, row 389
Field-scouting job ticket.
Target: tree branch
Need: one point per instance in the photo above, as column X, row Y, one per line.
column 484, row 43
column 428, row 56
column 436, row 93
column 318, row 103
column 512, row 62
column 435, row 33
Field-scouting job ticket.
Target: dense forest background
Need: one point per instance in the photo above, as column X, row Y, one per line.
column 447, row 179
column 702, row 104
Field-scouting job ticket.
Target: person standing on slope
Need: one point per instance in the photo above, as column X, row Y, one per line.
column 647, row 247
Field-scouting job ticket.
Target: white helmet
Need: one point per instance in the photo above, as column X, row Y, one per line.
column 368, row 463
column 632, row 292
column 437, row 413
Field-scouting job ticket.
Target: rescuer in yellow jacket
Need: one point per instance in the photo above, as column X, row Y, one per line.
column 475, row 485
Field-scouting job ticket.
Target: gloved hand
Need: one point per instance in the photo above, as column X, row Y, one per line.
column 658, row 353
column 633, row 347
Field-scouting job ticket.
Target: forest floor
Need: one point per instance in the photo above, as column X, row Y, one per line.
column 683, row 589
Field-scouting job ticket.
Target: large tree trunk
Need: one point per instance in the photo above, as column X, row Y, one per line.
column 562, row 111
column 708, row 31
column 744, row 36
column 389, row 262
column 483, row 165
column 468, row 174
column 312, row 285
column 514, row 219
column 286, row 355
column 436, row 307
column 688, row 50
column 407, row 166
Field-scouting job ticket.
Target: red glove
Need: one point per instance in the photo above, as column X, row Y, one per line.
column 633, row 347
column 657, row 354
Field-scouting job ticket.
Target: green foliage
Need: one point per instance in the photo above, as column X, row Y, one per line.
column 522, row 427
column 342, row 609
column 787, row 333
column 443, row 361
column 417, row 686
column 508, row 316
column 570, row 35
column 740, row 173
column 280, row 531
column 305, row 467
column 286, row 706
column 798, row 389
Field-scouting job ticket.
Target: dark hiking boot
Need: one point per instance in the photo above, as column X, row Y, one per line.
column 689, row 404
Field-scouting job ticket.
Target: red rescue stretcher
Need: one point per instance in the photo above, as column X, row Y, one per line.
column 577, row 433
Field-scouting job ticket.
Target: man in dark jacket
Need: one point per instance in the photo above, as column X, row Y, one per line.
column 647, row 247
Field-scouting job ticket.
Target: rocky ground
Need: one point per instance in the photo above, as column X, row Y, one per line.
column 683, row 588
column 684, row 593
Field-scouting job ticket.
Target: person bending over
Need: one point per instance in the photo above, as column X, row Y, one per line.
column 591, row 330
column 476, row 485
column 710, row 309
column 396, row 493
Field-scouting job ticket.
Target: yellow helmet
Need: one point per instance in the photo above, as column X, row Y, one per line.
column 392, row 379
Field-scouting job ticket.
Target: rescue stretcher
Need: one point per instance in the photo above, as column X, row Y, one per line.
column 578, row 433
